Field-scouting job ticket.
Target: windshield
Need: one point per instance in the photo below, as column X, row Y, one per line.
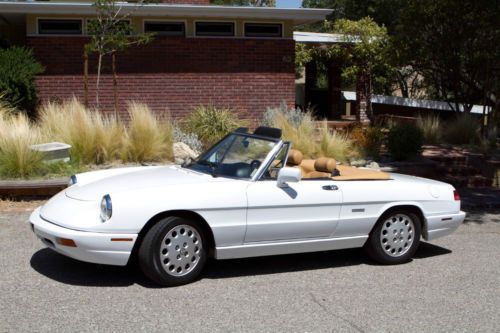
column 236, row 156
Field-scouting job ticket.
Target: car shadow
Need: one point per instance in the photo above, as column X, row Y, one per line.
column 427, row 250
column 73, row 272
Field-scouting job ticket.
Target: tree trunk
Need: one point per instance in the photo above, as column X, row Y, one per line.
column 99, row 64
column 85, row 78
column 115, row 82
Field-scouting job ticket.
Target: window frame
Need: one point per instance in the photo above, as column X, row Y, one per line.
column 39, row 19
column 280, row 24
column 233, row 23
column 183, row 22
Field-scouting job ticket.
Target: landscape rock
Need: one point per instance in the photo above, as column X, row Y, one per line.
column 373, row 165
column 183, row 153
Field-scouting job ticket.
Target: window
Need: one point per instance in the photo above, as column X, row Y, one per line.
column 59, row 27
column 263, row 30
column 214, row 29
column 165, row 28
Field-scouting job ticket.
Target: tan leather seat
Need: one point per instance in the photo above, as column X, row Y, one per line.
column 295, row 159
column 323, row 168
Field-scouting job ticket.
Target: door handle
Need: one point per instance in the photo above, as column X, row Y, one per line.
column 330, row 188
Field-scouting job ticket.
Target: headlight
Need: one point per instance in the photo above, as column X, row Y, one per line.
column 72, row 180
column 106, row 208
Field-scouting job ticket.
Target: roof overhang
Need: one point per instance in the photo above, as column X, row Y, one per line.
column 297, row 15
column 321, row 38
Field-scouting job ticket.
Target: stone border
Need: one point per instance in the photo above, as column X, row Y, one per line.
column 14, row 189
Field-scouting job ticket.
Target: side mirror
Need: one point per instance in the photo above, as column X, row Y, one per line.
column 288, row 175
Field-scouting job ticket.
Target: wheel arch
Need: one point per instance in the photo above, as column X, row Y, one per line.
column 413, row 207
column 187, row 214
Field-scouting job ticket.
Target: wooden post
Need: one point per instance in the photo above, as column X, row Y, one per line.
column 362, row 97
column 311, row 74
column 115, row 83
column 85, row 78
column 335, row 109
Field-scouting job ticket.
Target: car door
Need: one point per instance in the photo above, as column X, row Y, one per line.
column 307, row 209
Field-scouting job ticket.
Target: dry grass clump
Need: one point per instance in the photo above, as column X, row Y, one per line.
column 301, row 131
column 335, row 144
column 94, row 138
column 464, row 129
column 431, row 128
column 147, row 139
column 17, row 135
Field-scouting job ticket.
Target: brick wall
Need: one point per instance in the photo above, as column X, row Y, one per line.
column 176, row 74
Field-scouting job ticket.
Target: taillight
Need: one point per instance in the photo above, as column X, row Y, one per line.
column 456, row 196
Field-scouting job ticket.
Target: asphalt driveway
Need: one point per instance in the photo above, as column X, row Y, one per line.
column 453, row 284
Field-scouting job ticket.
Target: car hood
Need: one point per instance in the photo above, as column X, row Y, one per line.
column 136, row 179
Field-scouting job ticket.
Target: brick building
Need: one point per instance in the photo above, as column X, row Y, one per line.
column 240, row 57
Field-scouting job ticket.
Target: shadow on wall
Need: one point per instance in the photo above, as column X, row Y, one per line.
column 73, row 272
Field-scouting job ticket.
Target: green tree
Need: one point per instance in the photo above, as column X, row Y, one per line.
column 455, row 46
column 384, row 12
column 110, row 33
column 362, row 53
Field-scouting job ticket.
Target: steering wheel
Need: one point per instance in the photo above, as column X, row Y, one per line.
column 255, row 164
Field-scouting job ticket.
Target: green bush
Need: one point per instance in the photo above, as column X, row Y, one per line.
column 211, row 124
column 18, row 69
column 404, row 141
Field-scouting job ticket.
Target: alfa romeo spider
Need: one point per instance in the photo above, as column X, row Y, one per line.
column 249, row 195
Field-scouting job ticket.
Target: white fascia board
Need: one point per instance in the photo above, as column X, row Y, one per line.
column 297, row 15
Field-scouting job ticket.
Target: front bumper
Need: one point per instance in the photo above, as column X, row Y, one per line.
column 442, row 225
column 99, row 248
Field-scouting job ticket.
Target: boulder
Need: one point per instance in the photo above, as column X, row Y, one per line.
column 183, row 153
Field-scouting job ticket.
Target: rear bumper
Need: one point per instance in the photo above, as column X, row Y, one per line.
column 99, row 248
column 442, row 225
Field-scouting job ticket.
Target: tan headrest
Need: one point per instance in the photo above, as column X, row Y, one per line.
column 294, row 157
column 325, row 164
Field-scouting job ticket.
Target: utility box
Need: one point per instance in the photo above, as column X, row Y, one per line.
column 53, row 151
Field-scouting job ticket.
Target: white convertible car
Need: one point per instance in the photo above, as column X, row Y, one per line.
column 249, row 195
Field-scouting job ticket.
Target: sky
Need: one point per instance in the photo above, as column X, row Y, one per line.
column 288, row 3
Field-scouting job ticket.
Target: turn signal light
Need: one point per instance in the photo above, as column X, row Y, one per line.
column 66, row 242
column 456, row 195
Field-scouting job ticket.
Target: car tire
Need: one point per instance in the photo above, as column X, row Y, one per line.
column 173, row 252
column 395, row 238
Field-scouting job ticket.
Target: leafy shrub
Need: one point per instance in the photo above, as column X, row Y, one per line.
column 210, row 124
column 464, row 129
column 18, row 69
column 294, row 117
column 147, row 138
column 190, row 139
column 404, row 141
column 369, row 140
column 17, row 135
column 431, row 128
